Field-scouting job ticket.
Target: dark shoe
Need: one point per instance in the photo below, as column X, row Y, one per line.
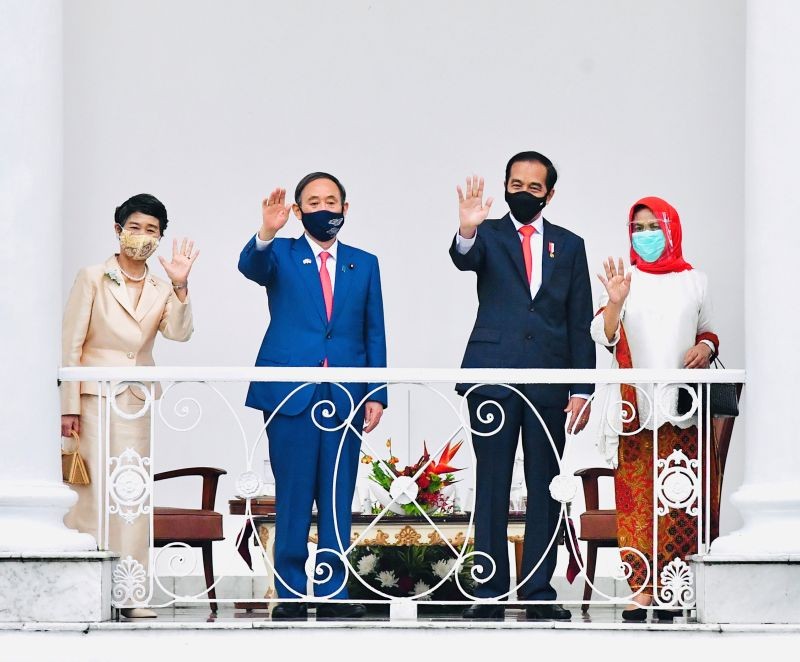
column 485, row 611
column 636, row 614
column 341, row 610
column 668, row 614
column 547, row 613
column 290, row 611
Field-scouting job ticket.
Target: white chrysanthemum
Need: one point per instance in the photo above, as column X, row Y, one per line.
column 367, row 564
column 421, row 587
column 387, row 579
column 442, row 567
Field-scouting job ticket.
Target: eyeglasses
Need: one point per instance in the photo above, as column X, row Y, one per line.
column 654, row 224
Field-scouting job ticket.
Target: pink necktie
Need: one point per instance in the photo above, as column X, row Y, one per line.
column 526, row 231
column 325, row 279
column 327, row 290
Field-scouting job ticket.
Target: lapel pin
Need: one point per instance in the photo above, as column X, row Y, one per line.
column 307, row 261
column 551, row 248
column 352, row 266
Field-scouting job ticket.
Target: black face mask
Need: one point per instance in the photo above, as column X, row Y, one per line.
column 525, row 206
column 323, row 225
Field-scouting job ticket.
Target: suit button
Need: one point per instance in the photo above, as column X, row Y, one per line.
column 531, row 308
column 329, row 336
column 131, row 355
column 529, row 337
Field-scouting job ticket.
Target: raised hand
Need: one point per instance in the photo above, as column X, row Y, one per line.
column 616, row 281
column 471, row 210
column 274, row 214
column 182, row 260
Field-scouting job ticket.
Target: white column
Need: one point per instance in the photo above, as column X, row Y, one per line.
column 769, row 499
column 33, row 500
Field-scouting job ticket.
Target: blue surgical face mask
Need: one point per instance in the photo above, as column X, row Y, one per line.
column 649, row 244
column 323, row 225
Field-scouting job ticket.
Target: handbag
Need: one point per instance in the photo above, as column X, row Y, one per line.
column 73, row 468
column 723, row 398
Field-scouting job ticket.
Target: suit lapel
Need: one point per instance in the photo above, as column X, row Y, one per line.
column 551, row 235
column 306, row 265
column 509, row 239
column 344, row 277
column 117, row 287
column 148, row 298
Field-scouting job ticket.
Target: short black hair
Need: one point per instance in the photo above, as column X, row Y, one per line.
column 313, row 177
column 145, row 204
column 535, row 157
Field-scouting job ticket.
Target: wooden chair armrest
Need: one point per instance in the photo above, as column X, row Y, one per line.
column 210, row 480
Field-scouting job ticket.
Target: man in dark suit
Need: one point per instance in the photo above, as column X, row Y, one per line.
column 535, row 308
column 326, row 309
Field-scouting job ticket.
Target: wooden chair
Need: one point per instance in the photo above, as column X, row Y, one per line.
column 191, row 526
column 599, row 526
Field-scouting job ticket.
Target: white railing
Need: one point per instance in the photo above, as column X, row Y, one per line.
column 680, row 481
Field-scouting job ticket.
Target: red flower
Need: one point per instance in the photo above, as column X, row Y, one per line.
column 443, row 465
column 423, row 481
column 426, row 497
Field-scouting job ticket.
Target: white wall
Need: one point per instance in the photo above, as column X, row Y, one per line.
column 209, row 105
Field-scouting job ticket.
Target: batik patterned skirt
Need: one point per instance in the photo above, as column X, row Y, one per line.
column 677, row 529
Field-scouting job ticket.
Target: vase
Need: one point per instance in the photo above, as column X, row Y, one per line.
column 385, row 499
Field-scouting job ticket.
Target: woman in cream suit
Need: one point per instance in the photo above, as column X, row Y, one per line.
column 112, row 316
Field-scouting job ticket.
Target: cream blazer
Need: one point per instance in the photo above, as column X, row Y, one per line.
column 101, row 327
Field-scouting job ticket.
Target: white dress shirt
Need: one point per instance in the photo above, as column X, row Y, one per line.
column 537, row 239
column 330, row 264
column 663, row 315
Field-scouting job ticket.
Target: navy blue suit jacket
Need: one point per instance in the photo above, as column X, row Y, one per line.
column 299, row 333
column 513, row 331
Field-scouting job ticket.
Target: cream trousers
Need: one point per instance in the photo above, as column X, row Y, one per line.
column 128, row 479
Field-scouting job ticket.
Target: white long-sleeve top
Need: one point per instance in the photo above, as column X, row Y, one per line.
column 663, row 315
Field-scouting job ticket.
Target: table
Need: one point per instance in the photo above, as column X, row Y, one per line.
column 390, row 530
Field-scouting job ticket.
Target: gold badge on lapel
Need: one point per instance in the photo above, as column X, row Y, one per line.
column 551, row 249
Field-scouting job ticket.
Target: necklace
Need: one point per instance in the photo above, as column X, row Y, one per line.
column 135, row 279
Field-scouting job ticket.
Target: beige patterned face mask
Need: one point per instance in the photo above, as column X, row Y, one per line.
column 137, row 246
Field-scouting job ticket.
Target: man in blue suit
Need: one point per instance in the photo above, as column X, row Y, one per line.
column 326, row 309
column 535, row 308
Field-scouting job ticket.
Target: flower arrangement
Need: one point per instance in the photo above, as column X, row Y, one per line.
column 431, row 478
column 409, row 570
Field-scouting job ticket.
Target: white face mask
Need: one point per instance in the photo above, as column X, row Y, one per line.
column 137, row 246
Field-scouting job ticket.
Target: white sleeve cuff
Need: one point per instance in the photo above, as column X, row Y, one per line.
column 261, row 244
column 711, row 345
column 598, row 332
column 463, row 245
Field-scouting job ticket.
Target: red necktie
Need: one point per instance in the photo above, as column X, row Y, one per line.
column 327, row 289
column 526, row 231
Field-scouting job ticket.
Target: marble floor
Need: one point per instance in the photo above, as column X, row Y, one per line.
column 194, row 633
column 607, row 618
